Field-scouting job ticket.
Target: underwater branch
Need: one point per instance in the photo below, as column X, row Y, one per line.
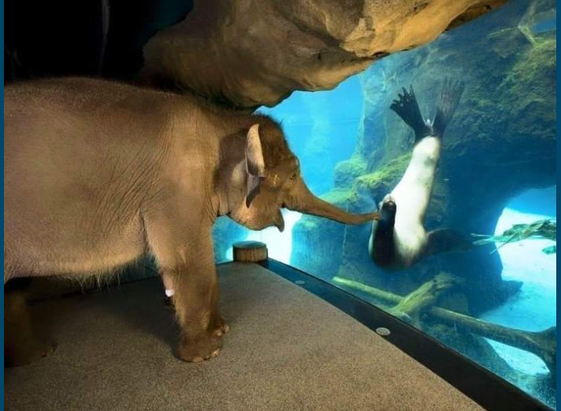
column 543, row 343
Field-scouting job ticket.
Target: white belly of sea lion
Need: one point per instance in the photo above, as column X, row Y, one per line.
column 412, row 196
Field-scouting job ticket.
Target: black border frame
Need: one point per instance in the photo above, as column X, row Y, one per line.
column 481, row 385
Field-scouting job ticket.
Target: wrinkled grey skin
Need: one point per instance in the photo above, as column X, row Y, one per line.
column 97, row 174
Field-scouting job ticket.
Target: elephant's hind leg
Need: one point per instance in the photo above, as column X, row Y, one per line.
column 22, row 344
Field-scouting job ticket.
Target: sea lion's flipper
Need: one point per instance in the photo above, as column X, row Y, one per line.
column 447, row 104
column 445, row 240
column 407, row 108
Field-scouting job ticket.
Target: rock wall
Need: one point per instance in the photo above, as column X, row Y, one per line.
column 247, row 53
column 501, row 143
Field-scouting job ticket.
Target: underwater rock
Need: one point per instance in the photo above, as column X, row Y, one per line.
column 501, row 143
column 475, row 347
column 247, row 53
column 333, row 236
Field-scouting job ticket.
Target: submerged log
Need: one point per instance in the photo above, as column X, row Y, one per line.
column 542, row 343
column 423, row 297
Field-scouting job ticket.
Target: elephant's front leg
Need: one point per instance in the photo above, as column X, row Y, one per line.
column 196, row 306
column 217, row 323
column 186, row 261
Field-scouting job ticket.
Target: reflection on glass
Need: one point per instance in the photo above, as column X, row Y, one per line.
column 497, row 171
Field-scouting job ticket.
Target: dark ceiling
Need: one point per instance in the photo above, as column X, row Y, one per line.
column 66, row 37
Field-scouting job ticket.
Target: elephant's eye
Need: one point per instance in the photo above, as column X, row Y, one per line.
column 293, row 176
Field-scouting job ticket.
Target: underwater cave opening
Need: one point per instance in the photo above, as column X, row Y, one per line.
column 534, row 307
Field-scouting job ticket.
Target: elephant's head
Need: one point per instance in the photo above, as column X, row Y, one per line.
column 267, row 178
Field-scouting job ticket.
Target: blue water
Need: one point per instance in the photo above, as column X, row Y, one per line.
column 544, row 26
column 322, row 129
column 541, row 201
column 533, row 308
column 325, row 129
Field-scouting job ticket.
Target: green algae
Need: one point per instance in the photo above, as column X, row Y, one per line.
column 528, row 85
column 386, row 177
column 347, row 171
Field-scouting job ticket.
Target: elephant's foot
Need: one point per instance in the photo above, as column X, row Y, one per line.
column 201, row 348
column 26, row 339
column 17, row 353
column 218, row 326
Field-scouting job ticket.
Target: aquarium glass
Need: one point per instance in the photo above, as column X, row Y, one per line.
column 494, row 187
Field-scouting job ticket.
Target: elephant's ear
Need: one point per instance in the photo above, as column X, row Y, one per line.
column 255, row 164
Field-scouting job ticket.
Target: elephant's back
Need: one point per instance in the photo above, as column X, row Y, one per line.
column 75, row 92
column 75, row 159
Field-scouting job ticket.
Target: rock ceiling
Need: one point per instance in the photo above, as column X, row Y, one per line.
column 247, row 53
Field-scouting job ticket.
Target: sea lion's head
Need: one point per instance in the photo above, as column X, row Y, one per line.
column 388, row 209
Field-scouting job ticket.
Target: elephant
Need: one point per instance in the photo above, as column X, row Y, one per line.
column 99, row 173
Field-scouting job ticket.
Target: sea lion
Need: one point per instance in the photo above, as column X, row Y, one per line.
column 399, row 239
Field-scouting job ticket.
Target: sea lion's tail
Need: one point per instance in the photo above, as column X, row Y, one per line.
column 407, row 108
column 447, row 104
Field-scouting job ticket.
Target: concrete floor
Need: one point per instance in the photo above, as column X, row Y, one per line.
column 286, row 350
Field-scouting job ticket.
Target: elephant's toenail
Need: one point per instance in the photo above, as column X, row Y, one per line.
column 215, row 353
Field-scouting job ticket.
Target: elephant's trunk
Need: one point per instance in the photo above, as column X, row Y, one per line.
column 304, row 201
